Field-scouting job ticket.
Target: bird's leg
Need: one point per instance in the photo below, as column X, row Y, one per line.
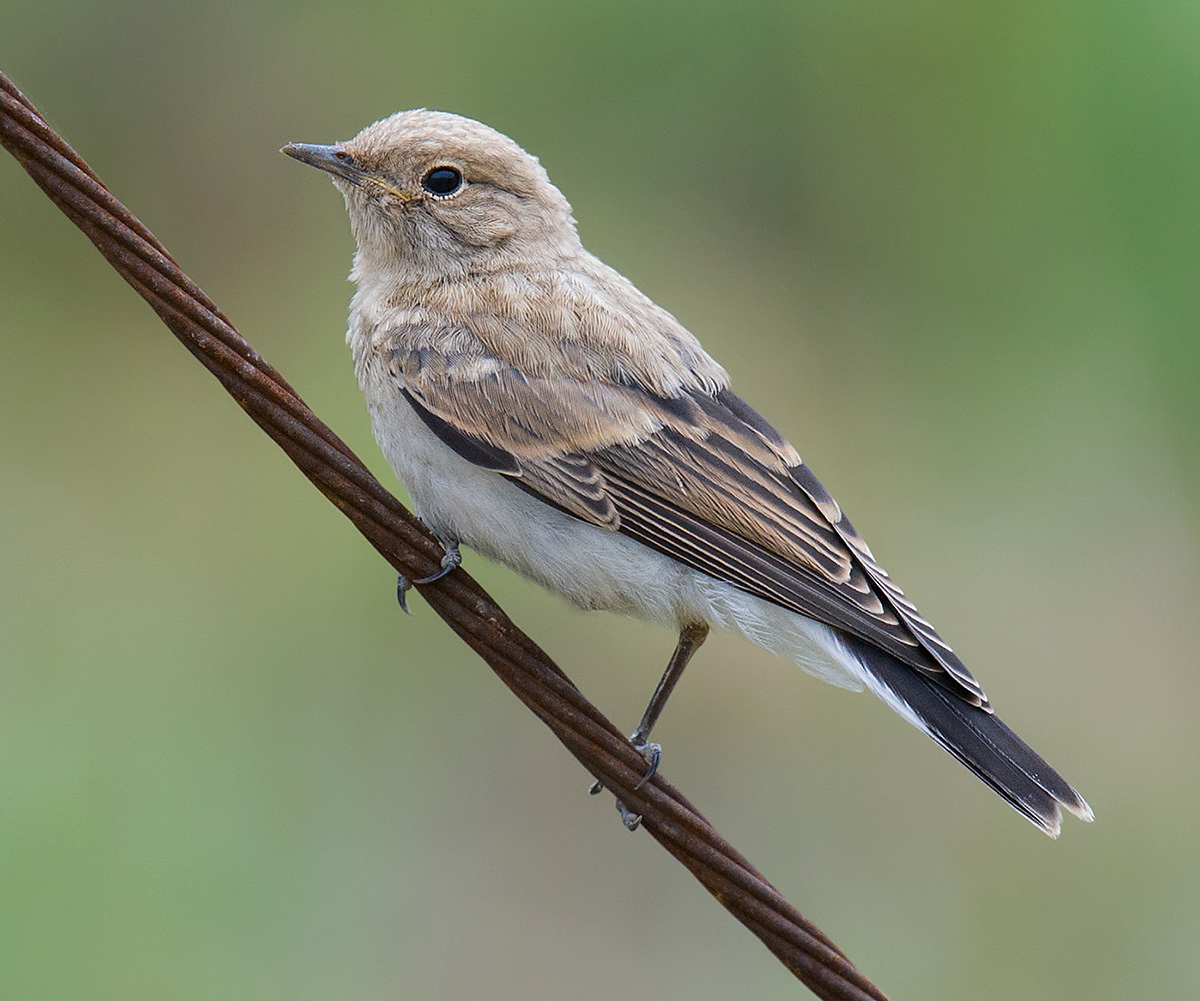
column 691, row 636
column 450, row 560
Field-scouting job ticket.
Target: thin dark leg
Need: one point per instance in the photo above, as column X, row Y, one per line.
column 691, row 637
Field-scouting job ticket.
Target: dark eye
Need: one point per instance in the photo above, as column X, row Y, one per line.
column 442, row 181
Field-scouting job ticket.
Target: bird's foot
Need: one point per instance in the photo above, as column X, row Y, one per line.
column 631, row 820
column 452, row 559
column 653, row 755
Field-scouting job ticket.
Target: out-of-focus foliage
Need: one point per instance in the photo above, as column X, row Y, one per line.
column 949, row 248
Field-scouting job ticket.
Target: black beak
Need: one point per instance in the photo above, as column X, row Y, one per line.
column 333, row 159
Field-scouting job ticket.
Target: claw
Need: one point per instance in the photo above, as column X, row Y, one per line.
column 630, row 819
column 653, row 753
column 452, row 559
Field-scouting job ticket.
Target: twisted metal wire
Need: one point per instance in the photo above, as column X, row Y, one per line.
column 401, row 539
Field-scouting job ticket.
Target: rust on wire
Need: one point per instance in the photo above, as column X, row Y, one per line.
column 334, row 470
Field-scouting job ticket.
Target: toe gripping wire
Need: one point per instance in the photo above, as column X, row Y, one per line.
column 416, row 555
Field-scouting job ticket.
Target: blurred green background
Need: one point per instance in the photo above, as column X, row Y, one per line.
column 949, row 248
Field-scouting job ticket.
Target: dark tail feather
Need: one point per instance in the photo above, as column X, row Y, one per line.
column 979, row 739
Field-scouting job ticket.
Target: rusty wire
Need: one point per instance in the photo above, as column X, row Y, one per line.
column 520, row 663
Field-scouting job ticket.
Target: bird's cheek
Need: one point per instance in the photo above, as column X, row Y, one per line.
column 487, row 229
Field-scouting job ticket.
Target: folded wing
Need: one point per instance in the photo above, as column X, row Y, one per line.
column 701, row 477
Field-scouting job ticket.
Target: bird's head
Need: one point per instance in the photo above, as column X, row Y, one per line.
column 431, row 194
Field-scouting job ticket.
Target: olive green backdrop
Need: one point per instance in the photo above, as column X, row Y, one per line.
column 950, row 248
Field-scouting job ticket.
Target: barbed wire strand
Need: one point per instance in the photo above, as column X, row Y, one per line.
column 401, row 539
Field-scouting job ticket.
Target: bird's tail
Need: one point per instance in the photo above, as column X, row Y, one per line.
column 979, row 739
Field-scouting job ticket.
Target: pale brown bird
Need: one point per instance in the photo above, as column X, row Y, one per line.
column 544, row 412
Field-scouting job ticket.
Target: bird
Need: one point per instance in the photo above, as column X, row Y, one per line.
column 544, row 412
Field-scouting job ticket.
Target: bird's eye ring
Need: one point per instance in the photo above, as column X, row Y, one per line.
column 442, row 180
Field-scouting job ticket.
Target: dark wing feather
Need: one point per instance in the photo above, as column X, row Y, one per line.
column 712, row 506
column 568, row 481
column 946, row 658
column 702, row 477
column 474, row 450
column 573, row 483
